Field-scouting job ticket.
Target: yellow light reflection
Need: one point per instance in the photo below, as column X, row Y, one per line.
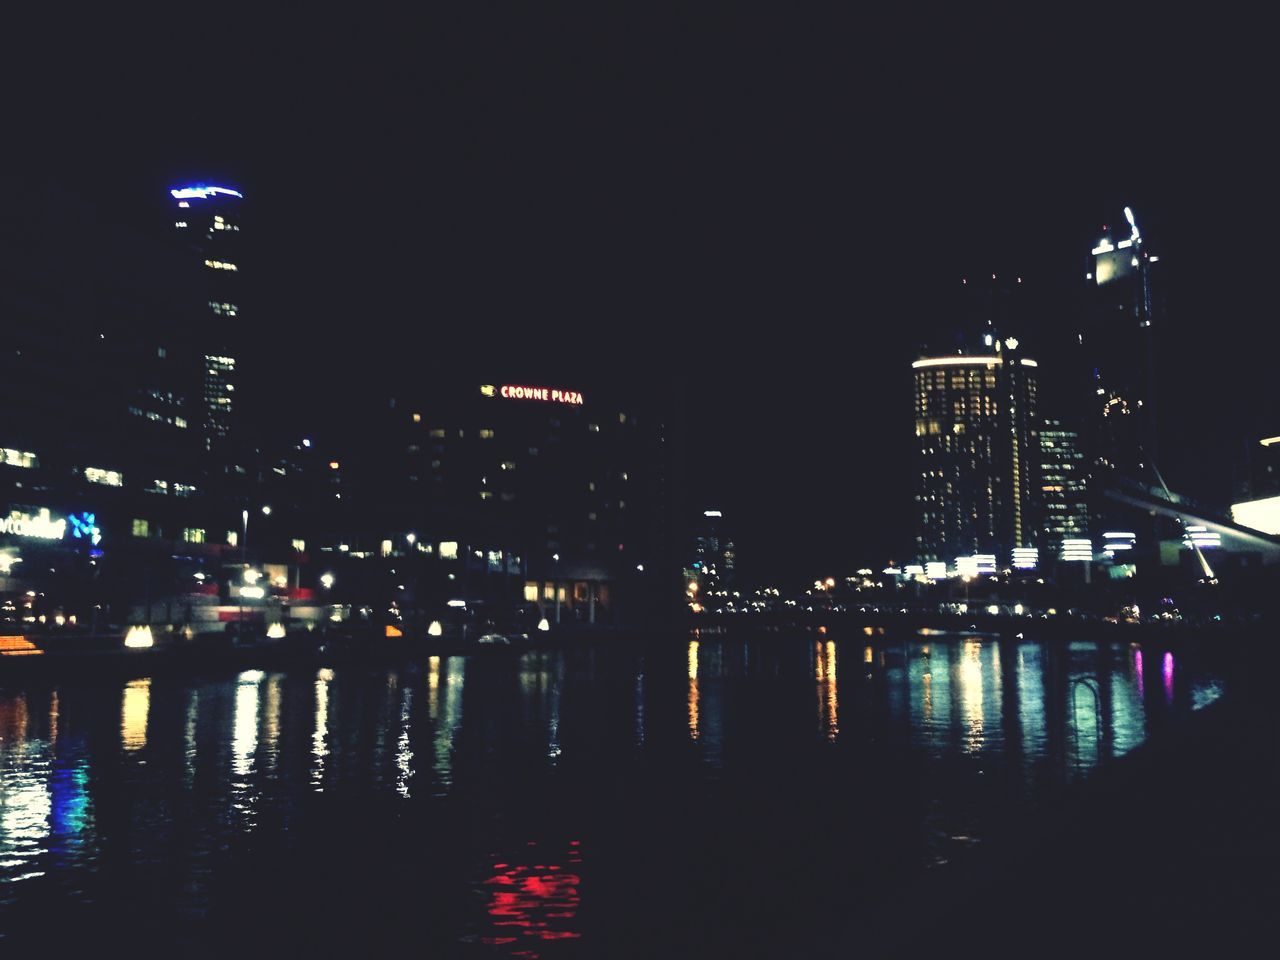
column 970, row 678
column 828, row 695
column 694, row 732
column 868, row 655
column 133, row 714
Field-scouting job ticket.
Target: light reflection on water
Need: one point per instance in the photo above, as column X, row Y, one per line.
column 190, row 766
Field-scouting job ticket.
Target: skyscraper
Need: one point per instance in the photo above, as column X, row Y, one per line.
column 715, row 557
column 1064, row 482
column 1116, row 340
column 207, row 222
column 979, row 485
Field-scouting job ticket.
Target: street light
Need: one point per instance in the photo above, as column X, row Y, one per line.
column 326, row 581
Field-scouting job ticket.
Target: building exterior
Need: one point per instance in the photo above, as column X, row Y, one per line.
column 977, row 429
column 1118, row 325
column 515, row 494
column 715, row 556
column 1064, row 484
column 207, row 221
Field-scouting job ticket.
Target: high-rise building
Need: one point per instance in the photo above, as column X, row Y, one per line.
column 207, row 222
column 1064, row 483
column 715, row 557
column 977, row 428
column 1116, row 342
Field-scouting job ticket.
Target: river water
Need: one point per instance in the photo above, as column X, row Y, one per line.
column 724, row 793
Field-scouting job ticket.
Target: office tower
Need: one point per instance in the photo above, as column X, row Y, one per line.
column 715, row 556
column 207, row 222
column 1064, row 483
column 1115, row 339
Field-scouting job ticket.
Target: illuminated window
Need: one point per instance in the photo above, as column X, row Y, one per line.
column 184, row 489
column 417, row 418
column 220, row 265
column 141, row 528
column 622, row 418
column 299, row 545
column 486, row 494
column 593, row 427
column 233, row 538
column 548, row 591
column 437, row 432
column 486, row 434
column 508, row 465
column 110, row 478
column 449, row 550
column 193, row 534
column 531, row 591
column 18, row 458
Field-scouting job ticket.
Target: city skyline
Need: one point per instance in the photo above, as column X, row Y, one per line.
column 776, row 271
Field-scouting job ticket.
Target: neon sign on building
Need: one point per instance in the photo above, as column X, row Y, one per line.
column 545, row 394
column 40, row 527
column 202, row 191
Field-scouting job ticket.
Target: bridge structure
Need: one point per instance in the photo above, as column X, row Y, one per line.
column 1159, row 500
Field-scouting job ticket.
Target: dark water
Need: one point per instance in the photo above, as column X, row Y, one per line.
column 721, row 794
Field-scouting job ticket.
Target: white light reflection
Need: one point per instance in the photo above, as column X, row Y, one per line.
column 25, row 801
column 404, row 753
column 320, row 738
column 970, row 679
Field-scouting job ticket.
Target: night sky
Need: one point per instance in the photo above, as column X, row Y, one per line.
column 763, row 215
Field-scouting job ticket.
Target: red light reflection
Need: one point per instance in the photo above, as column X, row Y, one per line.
column 534, row 901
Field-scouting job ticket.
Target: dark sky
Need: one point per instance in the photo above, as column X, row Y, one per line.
column 763, row 213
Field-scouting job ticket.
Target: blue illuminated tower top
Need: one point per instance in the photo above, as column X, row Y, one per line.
column 207, row 221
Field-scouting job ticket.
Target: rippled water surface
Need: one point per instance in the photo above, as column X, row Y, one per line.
column 605, row 801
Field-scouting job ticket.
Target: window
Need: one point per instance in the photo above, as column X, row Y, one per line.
column 18, row 458
column 417, row 418
column 531, row 591
column 233, row 538
column 437, row 432
column 593, row 427
column 486, row 434
column 141, row 528
column 449, row 550
column 508, row 465
column 109, row 478
column 193, row 535
column 299, row 546
column 486, row 494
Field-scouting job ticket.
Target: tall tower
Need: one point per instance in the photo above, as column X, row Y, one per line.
column 1064, row 483
column 207, row 222
column 1116, row 340
column 975, row 422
